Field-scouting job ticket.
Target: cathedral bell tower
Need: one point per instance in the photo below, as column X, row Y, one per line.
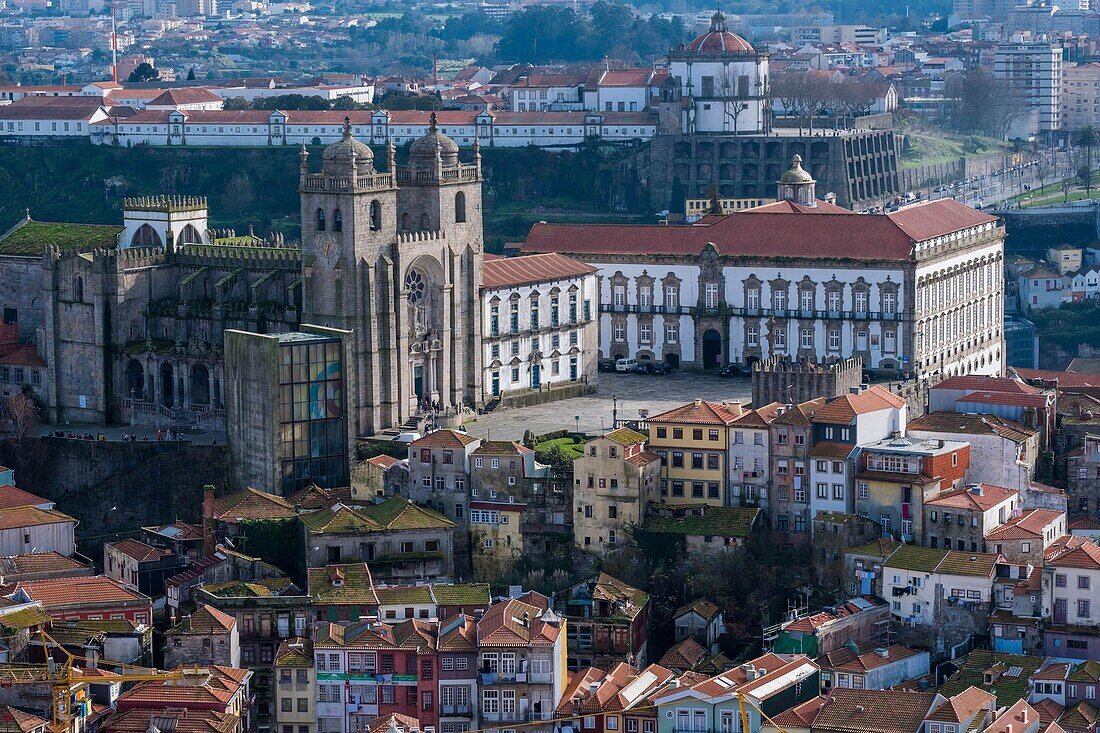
column 797, row 185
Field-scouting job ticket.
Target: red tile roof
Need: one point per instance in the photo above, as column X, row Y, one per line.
column 444, row 439
column 252, row 504
column 698, row 412
column 11, row 497
column 874, row 711
column 382, row 461
column 503, row 626
column 1084, row 555
column 875, row 237
column 31, row 516
column 212, row 687
column 139, row 550
column 173, row 720
column 802, row 715
column 189, row 95
column 72, row 593
column 980, row 497
column 979, row 383
column 1037, row 401
column 26, row 355
column 1064, row 379
column 1029, row 525
column 509, row 272
column 843, row 409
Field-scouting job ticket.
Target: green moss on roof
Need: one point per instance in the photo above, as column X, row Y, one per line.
column 395, row 513
column 416, row 594
column 462, row 594
column 916, row 559
column 878, row 548
column 714, row 522
column 25, row 618
column 29, row 237
column 1009, row 689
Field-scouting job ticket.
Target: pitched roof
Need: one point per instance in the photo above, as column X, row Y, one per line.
column 698, row 412
column 624, row 436
column 1009, row 687
column 843, row 409
column 30, row 563
column 703, row 607
column 889, row 237
column 177, row 531
column 802, row 715
column 865, row 659
column 28, row 237
column 510, row 272
column 14, row 720
column 394, row 722
column 1017, row 717
column 393, row 514
column 170, row 720
column 212, row 685
column 962, row 706
column 408, row 634
column 383, row 461
column 444, row 439
column 874, row 711
column 461, row 594
column 503, row 626
column 338, row 585
column 983, row 383
column 63, row 593
column 205, row 621
column 252, row 504
column 684, row 655
column 296, row 652
column 139, row 550
column 883, row 547
column 824, row 617
column 1028, row 525
column 972, row 424
column 979, row 497
column 31, row 516
column 1084, row 555
column 759, row 417
column 12, row 497
column 185, row 95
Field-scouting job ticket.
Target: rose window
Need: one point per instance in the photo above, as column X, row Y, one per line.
column 416, row 287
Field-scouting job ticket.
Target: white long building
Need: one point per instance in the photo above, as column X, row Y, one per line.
column 919, row 290
column 539, row 330
column 262, row 128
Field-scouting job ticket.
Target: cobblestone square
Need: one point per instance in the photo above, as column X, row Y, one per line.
column 592, row 414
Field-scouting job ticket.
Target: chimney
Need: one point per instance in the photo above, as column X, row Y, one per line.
column 526, row 620
column 209, row 524
column 749, row 670
column 883, row 652
column 697, row 401
column 976, row 489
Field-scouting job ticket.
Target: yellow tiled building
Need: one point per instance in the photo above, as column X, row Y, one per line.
column 495, row 538
column 693, row 443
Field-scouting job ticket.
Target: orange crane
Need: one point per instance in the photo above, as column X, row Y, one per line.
column 61, row 676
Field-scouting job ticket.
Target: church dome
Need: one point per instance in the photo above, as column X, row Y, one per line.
column 718, row 40
column 796, row 173
column 346, row 148
column 422, row 151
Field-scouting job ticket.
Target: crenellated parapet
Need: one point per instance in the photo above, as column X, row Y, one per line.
column 164, row 203
column 421, row 236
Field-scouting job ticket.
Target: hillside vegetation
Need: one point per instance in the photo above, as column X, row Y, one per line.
column 259, row 186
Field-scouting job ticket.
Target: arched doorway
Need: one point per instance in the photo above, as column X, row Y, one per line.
column 135, row 380
column 673, row 360
column 167, row 386
column 200, row 385
column 712, row 349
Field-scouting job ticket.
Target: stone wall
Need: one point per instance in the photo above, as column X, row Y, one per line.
column 780, row 380
column 856, row 166
column 114, row 488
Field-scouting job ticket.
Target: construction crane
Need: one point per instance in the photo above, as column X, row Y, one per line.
column 61, row 676
column 745, row 714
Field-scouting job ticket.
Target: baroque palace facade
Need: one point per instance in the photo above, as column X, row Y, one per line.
column 919, row 290
column 129, row 319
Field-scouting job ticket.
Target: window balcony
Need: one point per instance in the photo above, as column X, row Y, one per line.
column 501, row 678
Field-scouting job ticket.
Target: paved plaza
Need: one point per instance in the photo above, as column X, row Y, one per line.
column 593, row 413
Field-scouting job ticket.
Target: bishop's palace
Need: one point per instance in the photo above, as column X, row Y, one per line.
column 389, row 312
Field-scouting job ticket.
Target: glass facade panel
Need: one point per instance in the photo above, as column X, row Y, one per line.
column 313, row 431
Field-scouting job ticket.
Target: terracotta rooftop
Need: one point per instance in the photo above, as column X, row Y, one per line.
column 510, row 272
column 889, row 237
column 802, row 715
column 961, row 707
column 71, row 593
column 139, row 550
column 815, row 621
column 205, row 621
column 30, row 563
column 698, row 412
column 14, row 720
column 843, row 409
column 1015, row 718
column 684, row 654
column 31, row 516
column 874, row 711
column 867, row 658
column 252, row 504
column 980, row 497
column 503, row 626
column 444, row 439
column 980, row 383
column 1083, row 555
column 212, row 686
column 187, row 95
column 170, row 720
column 12, row 497
column 1028, row 525
column 971, row 424
column 703, row 607
column 383, row 461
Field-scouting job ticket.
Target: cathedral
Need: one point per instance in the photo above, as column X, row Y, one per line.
column 395, row 256
column 131, row 319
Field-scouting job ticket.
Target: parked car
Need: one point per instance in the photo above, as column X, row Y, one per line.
column 607, row 365
column 626, row 365
column 729, row 370
column 661, row 367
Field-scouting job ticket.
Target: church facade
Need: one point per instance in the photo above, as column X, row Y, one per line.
column 395, row 256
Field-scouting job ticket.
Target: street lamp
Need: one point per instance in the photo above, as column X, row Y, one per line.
column 577, row 422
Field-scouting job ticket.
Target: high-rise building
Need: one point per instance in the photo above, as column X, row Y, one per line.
column 1080, row 96
column 1033, row 73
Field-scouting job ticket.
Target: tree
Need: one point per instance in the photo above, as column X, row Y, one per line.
column 144, row 72
column 1042, row 171
column 733, row 96
column 1087, row 137
column 191, row 74
column 23, row 417
column 983, row 103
